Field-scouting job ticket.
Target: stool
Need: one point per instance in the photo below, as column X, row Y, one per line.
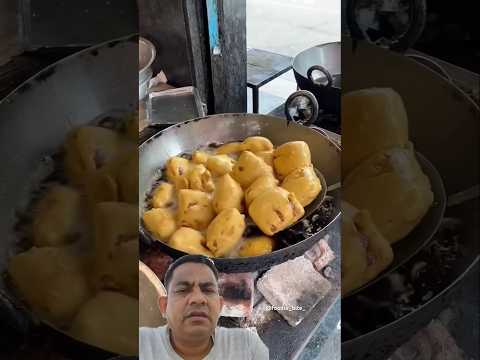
column 262, row 67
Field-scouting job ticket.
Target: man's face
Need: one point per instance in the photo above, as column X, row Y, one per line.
column 193, row 304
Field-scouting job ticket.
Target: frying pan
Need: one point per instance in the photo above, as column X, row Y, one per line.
column 326, row 59
column 36, row 117
column 193, row 134
column 434, row 105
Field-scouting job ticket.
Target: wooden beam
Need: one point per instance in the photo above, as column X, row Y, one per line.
column 228, row 54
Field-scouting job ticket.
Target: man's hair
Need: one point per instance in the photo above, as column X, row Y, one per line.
column 197, row 259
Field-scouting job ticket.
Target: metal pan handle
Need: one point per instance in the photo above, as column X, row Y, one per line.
column 323, row 71
column 301, row 107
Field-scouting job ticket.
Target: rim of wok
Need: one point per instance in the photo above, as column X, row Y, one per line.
column 244, row 264
column 90, row 349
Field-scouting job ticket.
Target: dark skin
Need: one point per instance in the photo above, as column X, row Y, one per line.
column 192, row 309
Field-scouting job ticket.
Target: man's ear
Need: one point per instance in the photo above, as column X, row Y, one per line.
column 221, row 302
column 162, row 305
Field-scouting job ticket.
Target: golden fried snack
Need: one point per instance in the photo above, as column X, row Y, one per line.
column 160, row 222
column 190, row 241
column 354, row 253
column 379, row 251
column 259, row 186
column 365, row 252
column 57, row 217
column 177, row 170
column 127, row 177
column 249, row 168
column 266, row 156
column 89, row 148
column 109, row 320
column 228, row 194
column 52, row 280
column 163, row 195
column 373, row 119
column 117, row 180
column 229, row 148
column 399, row 193
column 256, row 246
column 116, row 247
column 256, row 144
column 200, row 178
column 290, row 156
column 225, row 232
column 101, row 186
column 200, row 157
column 304, row 183
column 220, row 164
column 274, row 210
column 194, row 209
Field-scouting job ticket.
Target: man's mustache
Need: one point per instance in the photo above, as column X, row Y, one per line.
column 200, row 313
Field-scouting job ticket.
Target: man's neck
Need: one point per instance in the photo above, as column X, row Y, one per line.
column 190, row 349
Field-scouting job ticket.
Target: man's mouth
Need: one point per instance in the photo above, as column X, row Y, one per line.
column 197, row 314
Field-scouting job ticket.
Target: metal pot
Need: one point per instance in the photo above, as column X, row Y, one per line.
column 146, row 56
column 318, row 70
column 193, row 134
column 431, row 102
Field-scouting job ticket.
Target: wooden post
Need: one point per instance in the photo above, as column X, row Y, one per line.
column 228, row 54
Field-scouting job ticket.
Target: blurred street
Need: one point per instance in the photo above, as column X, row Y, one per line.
column 287, row 27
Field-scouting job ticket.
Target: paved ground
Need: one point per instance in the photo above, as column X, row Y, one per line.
column 288, row 27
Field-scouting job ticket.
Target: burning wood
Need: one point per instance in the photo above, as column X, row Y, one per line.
column 320, row 254
column 237, row 291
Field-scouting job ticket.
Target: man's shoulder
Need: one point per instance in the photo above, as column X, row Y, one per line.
column 149, row 331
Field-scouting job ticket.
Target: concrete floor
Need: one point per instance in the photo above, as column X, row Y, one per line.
column 288, row 27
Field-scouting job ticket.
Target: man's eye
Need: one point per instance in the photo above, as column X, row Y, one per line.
column 180, row 290
column 209, row 291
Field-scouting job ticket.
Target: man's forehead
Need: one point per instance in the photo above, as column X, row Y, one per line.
column 192, row 273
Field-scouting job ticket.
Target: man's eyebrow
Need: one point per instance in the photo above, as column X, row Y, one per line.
column 183, row 283
column 207, row 283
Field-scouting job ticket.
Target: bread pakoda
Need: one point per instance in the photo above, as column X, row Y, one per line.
column 228, row 194
column 195, row 209
column 399, row 193
column 163, row 195
column 304, row 183
column 256, row 246
column 225, row 232
column 190, row 241
column 57, row 217
column 52, row 280
column 291, row 156
column 160, row 222
column 248, row 168
column 274, row 210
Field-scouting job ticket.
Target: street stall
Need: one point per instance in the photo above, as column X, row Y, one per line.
column 209, row 84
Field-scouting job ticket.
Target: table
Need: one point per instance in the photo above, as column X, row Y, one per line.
column 262, row 67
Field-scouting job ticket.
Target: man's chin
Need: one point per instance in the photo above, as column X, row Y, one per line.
column 198, row 326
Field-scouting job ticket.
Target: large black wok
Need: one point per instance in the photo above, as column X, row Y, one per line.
column 444, row 126
column 318, row 70
column 193, row 134
column 36, row 117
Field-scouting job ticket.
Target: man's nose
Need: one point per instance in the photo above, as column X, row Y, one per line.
column 197, row 296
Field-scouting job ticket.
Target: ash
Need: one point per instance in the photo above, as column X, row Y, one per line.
column 311, row 225
column 408, row 288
